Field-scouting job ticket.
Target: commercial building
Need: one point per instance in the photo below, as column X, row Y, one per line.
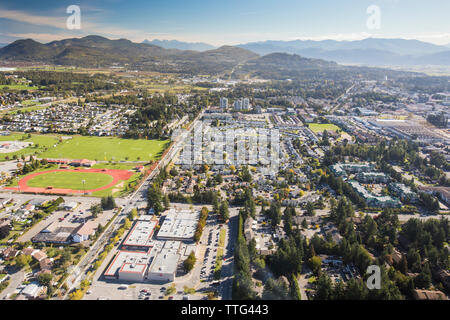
column 179, row 225
column 129, row 266
column 140, row 236
column 164, row 266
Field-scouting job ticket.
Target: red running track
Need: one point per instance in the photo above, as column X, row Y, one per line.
column 117, row 175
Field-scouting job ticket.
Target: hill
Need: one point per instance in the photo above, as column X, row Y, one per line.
column 96, row 51
column 174, row 44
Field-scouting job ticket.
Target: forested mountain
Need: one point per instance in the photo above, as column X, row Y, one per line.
column 96, row 51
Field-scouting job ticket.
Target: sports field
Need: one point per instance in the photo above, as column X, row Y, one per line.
column 71, row 180
column 67, row 181
column 106, row 149
column 40, row 142
column 321, row 127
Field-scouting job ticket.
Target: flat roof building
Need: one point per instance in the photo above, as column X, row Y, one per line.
column 140, row 236
column 129, row 266
column 164, row 266
column 179, row 225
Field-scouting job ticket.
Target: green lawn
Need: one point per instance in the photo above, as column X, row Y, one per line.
column 17, row 87
column 44, row 141
column 320, row 127
column 71, row 180
column 27, row 109
column 106, row 148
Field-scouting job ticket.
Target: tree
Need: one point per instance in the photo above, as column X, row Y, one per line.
column 45, row 279
column 96, row 209
column 224, row 211
column 166, row 202
column 23, row 260
column 310, row 209
column 304, row 224
column 189, row 263
column 315, row 263
column 275, row 290
column 108, row 203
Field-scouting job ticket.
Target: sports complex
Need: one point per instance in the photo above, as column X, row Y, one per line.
column 67, row 181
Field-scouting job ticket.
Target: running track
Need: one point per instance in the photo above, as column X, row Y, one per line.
column 117, row 175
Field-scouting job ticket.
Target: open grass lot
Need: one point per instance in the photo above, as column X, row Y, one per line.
column 106, row 148
column 71, row 180
column 43, row 141
column 321, row 127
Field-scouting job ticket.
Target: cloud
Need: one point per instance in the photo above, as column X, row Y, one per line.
column 21, row 16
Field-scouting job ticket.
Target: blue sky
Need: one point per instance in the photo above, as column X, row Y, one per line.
column 226, row 21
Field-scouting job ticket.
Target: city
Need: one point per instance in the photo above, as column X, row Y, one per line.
column 134, row 171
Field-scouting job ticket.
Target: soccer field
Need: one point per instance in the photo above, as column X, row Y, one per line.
column 70, row 180
column 106, row 149
column 320, row 127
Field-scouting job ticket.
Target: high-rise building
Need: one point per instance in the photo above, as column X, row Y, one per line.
column 223, row 103
column 246, row 104
column 238, row 105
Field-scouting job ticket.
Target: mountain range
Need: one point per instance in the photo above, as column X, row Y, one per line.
column 174, row 44
column 227, row 61
column 371, row 51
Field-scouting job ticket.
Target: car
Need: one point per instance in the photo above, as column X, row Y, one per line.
column 171, row 298
column 160, row 297
column 123, row 287
column 185, row 297
column 147, row 298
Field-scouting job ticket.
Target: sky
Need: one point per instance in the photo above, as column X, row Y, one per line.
column 228, row 21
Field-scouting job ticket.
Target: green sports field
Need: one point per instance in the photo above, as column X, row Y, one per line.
column 40, row 142
column 321, row 127
column 71, row 180
column 106, row 149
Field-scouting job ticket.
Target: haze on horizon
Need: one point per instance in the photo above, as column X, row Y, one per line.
column 228, row 22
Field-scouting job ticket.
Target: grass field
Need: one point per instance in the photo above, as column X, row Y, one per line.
column 321, row 127
column 17, row 87
column 106, row 148
column 44, row 141
column 71, row 180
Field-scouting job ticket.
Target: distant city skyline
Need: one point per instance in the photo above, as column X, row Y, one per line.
column 228, row 22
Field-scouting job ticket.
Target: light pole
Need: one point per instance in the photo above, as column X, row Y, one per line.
column 84, row 186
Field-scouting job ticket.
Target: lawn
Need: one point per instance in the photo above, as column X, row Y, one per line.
column 107, row 149
column 321, row 127
column 17, row 87
column 71, row 180
column 44, row 141
column 27, row 109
